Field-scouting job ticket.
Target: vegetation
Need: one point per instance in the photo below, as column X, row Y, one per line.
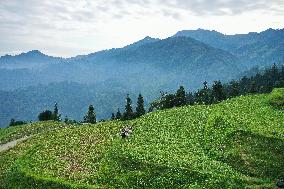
column 140, row 110
column 46, row 115
column 237, row 143
column 91, row 116
column 13, row 123
column 56, row 115
column 277, row 98
column 12, row 133
column 128, row 113
column 118, row 114
column 259, row 83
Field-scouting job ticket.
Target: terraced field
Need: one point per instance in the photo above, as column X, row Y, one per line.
column 238, row 143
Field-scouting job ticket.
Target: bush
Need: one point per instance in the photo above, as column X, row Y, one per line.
column 45, row 115
column 13, row 123
column 276, row 98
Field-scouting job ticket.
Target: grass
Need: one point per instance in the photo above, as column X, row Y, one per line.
column 16, row 132
column 238, row 143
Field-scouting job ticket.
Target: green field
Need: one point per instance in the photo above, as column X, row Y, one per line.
column 238, row 143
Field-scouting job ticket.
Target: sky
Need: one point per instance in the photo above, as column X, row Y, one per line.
column 71, row 27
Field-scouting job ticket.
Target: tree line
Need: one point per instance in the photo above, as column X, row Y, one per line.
column 261, row 82
column 90, row 116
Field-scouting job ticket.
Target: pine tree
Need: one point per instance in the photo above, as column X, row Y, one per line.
column 253, row 87
column 56, row 115
column 112, row 116
column 190, row 98
column 205, row 93
column 198, row 96
column 91, row 116
column 140, row 110
column 66, row 120
column 118, row 114
column 234, row 89
column 180, row 98
column 128, row 113
column 218, row 91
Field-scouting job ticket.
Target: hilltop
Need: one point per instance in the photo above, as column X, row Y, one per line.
column 237, row 143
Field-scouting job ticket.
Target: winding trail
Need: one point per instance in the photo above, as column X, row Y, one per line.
column 9, row 145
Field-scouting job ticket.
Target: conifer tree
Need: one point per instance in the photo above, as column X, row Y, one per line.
column 205, row 92
column 140, row 110
column 128, row 113
column 253, row 87
column 118, row 114
column 112, row 116
column 56, row 115
column 234, row 89
column 91, row 116
column 190, row 98
column 66, row 120
column 218, row 91
column 180, row 97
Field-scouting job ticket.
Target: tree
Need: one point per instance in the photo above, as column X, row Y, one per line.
column 205, row 94
column 56, row 115
column 168, row 101
column 190, row 98
column 218, row 91
column 45, row 115
column 198, row 96
column 66, row 120
column 118, row 114
column 140, row 110
column 253, row 87
column 180, row 98
column 112, row 116
column 234, row 89
column 128, row 113
column 13, row 122
column 91, row 116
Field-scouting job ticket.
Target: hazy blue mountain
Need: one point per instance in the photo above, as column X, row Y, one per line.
column 177, row 60
column 32, row 60
column 252, row 49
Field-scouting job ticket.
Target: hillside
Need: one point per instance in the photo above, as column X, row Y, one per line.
column 238, row 143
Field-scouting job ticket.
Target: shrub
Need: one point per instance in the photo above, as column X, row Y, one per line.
column 13, row 123
column 45, row 115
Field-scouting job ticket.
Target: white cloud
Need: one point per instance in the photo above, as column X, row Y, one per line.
column 64, row 27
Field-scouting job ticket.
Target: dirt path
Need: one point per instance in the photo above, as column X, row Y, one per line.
column 8, row 145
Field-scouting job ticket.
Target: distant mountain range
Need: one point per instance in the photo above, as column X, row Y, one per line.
column 252, row 49
column 147, row 66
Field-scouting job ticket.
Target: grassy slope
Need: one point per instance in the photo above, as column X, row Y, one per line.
column 235, row 144
column 16, row 132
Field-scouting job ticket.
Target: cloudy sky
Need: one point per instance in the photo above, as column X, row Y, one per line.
column 71, row 27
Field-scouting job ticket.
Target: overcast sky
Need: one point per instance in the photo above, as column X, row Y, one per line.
column 71, row 27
